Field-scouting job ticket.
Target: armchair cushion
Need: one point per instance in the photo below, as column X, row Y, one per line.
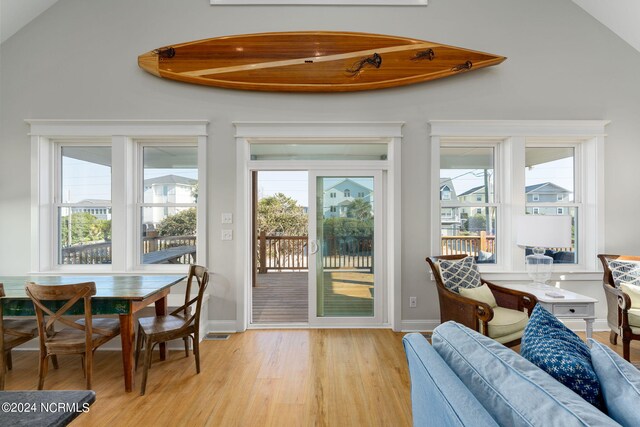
column 620, row 382
column 507, row 322
column 460, row 274
column 554, row 348
column 625, row 271
column 481, row 293
column 634, row 293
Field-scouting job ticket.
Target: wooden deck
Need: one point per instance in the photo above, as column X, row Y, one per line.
column 283, row 297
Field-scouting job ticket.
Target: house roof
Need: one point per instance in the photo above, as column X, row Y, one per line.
column 546, row 187
column 348, row 180
column 170, row 179
column 471, row 191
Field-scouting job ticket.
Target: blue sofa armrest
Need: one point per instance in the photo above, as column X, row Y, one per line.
column 438, row 397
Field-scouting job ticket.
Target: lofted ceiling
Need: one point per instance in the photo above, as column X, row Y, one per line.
column 621, row 16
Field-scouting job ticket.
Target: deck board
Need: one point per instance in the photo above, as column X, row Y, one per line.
column 283, row 297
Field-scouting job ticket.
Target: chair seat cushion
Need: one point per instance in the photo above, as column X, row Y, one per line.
column 507, row 322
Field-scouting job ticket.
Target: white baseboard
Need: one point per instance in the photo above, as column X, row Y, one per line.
column 221, row 326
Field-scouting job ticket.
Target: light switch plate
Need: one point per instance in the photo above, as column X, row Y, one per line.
column 227, row 234
column 227, row 218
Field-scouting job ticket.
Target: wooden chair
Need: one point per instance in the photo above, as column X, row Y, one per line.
column 183, row 322
column 82, row 336
column 12, row 334
column 477, row 315
column 618, row 306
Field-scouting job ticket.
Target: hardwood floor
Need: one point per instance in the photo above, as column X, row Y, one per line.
column 316, row 377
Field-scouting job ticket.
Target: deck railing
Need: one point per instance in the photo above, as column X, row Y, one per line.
column 100, row 253
column 290, row 253
column 471, row 245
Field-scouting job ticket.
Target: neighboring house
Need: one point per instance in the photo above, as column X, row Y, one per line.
column 547, row 192
column 167, row 189
column 95, row 207
column 449, row 216
column 474, row 195
column 337, row 198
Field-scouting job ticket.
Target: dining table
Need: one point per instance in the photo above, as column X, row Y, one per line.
column 121, row 295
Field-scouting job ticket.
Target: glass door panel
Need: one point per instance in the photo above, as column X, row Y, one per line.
column 343, row 233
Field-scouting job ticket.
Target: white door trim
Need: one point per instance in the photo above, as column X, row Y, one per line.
column 389, row 132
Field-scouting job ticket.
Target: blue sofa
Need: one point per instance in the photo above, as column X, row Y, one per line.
column 467, row 379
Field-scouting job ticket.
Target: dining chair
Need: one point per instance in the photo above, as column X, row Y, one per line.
column 13, row 332
column 82, row 336
column 183, row 322
column 465, row 297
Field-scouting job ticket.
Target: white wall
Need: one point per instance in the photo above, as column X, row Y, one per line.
column 78, row 61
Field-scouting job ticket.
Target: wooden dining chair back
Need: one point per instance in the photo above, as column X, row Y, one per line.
column 82, row 336
column 13, row 332
column 622, row 317
column 182, row 323
column 504, row 322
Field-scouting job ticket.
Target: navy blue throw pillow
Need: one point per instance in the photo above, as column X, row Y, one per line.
column 555, row 349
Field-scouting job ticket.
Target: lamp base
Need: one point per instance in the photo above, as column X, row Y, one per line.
column 539, row 267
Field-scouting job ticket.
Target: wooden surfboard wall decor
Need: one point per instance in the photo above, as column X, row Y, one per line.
column 311, row 61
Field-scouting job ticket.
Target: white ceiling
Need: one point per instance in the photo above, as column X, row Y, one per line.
column 621, row 16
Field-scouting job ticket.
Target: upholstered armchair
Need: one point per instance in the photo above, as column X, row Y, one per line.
column 621, row 276
column 492, row 310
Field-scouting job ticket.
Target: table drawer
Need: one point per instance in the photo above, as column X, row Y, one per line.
column 571, row 310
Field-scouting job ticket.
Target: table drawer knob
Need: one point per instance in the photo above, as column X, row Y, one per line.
column 572, row 310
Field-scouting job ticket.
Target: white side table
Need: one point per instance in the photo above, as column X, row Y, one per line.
column 571, row 306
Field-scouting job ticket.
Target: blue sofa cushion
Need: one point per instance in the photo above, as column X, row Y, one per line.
column 438, row 397
column 553, row 347
column 513, row 390
column 460, row 273
column 620, row 382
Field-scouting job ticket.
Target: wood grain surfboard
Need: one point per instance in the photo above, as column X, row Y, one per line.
column 311, row 61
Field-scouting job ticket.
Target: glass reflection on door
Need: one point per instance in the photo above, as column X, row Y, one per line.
column 344, row 246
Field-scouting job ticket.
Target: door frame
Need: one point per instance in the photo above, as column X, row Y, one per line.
column 351, row 132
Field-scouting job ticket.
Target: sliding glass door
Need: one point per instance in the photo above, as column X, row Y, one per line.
column 345, row 248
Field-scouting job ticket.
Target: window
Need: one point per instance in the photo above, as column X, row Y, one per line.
column 332, row 209
column 468, row 169
column 445, row 193
column 550, row 171
column 347, row 193
column 120, row 203
column 361, row 194
column 520, row 168
column 332, row 195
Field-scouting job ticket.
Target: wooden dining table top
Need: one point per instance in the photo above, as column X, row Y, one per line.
column 114, row 293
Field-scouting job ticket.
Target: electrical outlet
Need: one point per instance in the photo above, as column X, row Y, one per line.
column 413, row 302
column 227, row 234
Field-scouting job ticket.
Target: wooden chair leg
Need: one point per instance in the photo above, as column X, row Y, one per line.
column 196, row 350
column 9, row 360
column 626, row 350
column 613, row 337
column 2, row 371
column 186, row 346
column 42, row 370
column 138, row 345
column 148, row 351
column 89, row 368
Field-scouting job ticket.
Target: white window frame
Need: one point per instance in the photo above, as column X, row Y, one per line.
column 589, row 136
column 122, row 135
column 535, row 197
